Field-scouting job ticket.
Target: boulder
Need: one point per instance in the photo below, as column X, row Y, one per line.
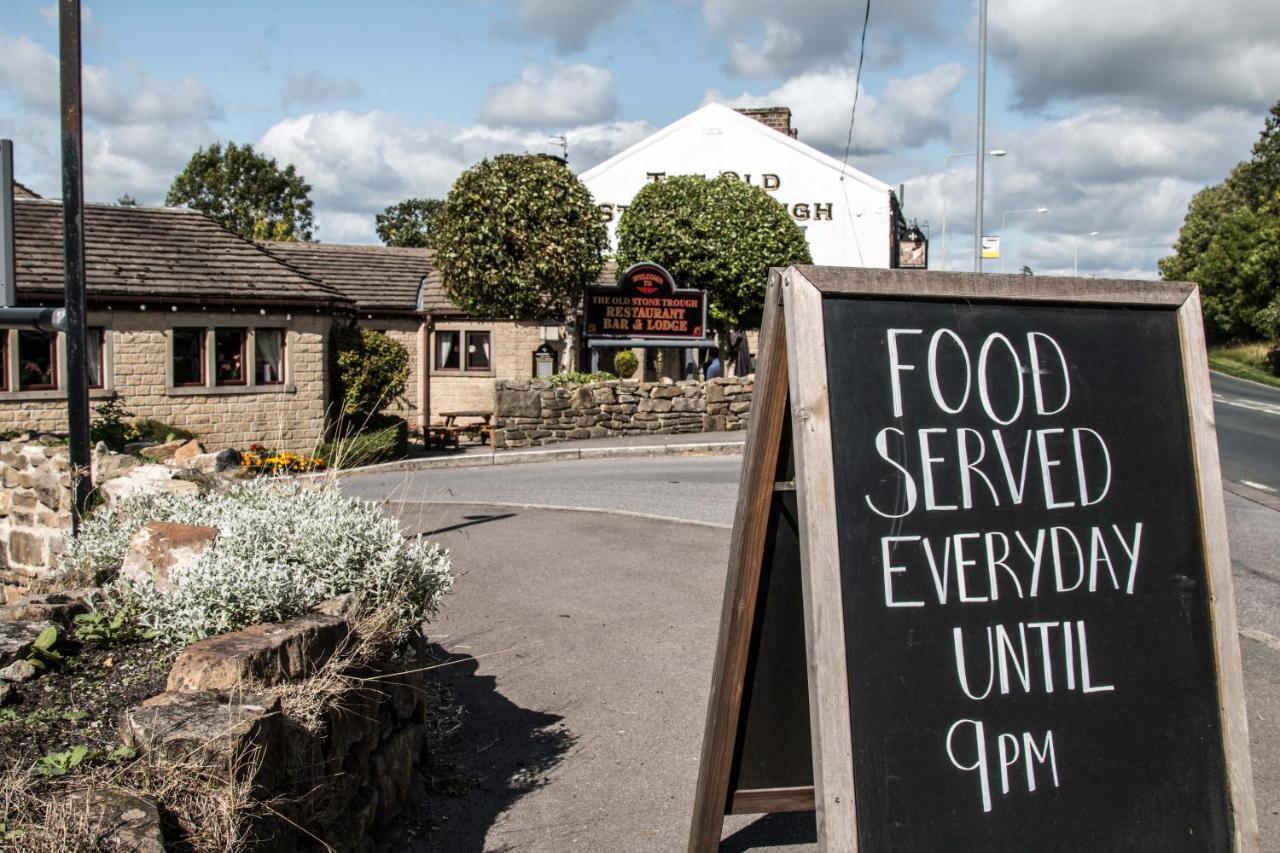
column 159, row 452
column 106, row 465
column 121, row 821
column 212, row 463
column 234, row 737
column 59, row 607
column 19, row 671
column 160, row 548
column 187, row 452
column 269, row 654
column 16, row 639
column 145, row 479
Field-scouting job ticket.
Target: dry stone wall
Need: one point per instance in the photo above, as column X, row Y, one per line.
column 35, row 510
column 531, row 413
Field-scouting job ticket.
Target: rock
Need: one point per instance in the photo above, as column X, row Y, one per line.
column 59, row 607
column 19, row 671
column 6, row 691
column 106, row 465
column 233, row 737
column 145, row 479
column 212, row 463
column 16, row 639
column 518, row 404
column 160, row 452
column 187, row 452
column 138, row 446
column 340, row 606
column 160, row 548
column 269, row 654
column 121, row 821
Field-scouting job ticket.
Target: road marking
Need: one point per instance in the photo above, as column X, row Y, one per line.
column 1253, row 405
column 1251, row 484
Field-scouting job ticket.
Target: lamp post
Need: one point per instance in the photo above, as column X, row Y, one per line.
column 946, row 170
column 1075, row 253
column 982, row 135
column 1005, row 218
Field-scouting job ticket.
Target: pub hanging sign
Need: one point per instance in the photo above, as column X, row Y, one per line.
column 646, row 305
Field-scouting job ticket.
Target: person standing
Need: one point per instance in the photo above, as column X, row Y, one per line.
column 715, row 368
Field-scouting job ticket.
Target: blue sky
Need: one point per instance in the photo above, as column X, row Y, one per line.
column 1111, row 121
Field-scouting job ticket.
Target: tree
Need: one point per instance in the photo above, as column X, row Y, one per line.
column 519, row 237
column 1229, row 244
column 408, row 223
column 245, row 192
column 127, row 200
column 718, row 234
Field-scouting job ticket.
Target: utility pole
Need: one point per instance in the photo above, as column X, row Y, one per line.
column 982, row 133
column 73, row 255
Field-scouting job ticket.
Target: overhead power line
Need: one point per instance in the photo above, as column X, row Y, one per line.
column 857, row 87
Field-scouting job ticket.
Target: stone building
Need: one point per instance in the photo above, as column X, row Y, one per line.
column 188, row 324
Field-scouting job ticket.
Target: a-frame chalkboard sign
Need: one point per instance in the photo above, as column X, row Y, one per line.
column 979, row 594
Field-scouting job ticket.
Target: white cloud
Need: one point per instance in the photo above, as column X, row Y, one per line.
column 766, row 38
column 1127, row 173
column 1174, row 53
column 313, row 88
column 569, row 23
column 358, row 163
column 139, row 131
column 913, row 109
column 553, row 96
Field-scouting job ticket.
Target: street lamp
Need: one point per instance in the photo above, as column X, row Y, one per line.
column 1005, row 218
column 1075, row 252
column 946, row 170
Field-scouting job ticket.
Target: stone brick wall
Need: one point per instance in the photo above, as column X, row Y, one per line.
column 511, row 358
column 35, row 512
column 290, row 417
column 531, row 413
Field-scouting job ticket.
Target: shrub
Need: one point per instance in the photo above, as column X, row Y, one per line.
column 562, row 379
column 110, row 426
column 625, row 363
column 372, row 370
column 282, row 548
column 380, row 439
column 146, row 429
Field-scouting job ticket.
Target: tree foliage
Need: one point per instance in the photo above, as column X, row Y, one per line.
column 245, row 192
column 408, row 223
column 1229, row 244
column 519, row 237
column 372, row 371
column 719, row 234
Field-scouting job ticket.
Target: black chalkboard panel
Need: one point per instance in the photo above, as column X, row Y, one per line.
column 1065, row 529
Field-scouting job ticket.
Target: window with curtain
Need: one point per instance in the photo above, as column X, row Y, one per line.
column 477, row 350
column 95, row 356
column 188, row 357
column 37, row 360
column 269, row 344
column 447, row 351
column 229, row 356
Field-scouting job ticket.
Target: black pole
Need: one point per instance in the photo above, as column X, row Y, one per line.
column 73, row 255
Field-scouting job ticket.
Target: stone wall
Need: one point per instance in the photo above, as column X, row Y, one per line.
column 35, row 512
column 531, row 413
column 136, row 358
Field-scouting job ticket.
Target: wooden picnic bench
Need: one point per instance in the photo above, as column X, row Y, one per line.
column 448, row 432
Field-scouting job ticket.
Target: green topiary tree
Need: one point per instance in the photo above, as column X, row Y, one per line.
column 719, row 234
column 519, row 237
column 625, row 363
column 372, row 371
column 245, row 192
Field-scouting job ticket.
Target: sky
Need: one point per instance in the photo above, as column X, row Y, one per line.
column 1112, row 116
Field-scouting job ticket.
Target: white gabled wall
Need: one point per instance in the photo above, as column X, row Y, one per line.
column 847, row 222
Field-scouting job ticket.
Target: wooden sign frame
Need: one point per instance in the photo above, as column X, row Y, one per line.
column 792, row 374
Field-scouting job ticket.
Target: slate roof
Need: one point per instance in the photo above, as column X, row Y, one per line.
column 139, row 253
column 382, row 278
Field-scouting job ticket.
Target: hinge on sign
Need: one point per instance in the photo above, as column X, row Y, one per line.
column 784, row 486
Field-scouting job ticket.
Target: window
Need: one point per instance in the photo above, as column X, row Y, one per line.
column 229, row 356
column 188, row 357
column 447, row 351
column 269, row 347
column 477, row 350
column 37, row 360
column 94, row 356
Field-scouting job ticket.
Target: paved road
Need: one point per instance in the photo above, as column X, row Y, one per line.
column 1248, row 416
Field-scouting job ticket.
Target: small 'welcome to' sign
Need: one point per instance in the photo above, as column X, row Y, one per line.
column 1013, row 578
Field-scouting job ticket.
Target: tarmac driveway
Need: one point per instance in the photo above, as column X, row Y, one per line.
column 583, row 644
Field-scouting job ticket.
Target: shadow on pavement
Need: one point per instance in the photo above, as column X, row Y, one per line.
column 783, row 828
column 469, row 521
column 500, row 753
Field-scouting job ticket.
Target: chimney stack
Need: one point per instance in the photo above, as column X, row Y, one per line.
column 778, row 118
